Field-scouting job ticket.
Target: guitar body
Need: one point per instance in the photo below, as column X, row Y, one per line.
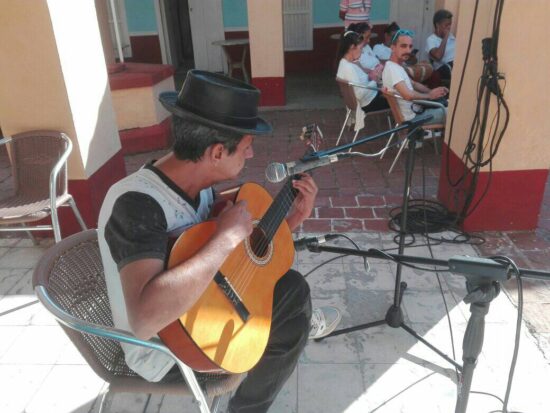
column 213, row 335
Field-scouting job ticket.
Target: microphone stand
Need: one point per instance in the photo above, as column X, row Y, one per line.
column 483, row 277
column 394, row 315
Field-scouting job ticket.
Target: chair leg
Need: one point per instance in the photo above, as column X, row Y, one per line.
column 403, row 144
column 348, row 112
column 76, row 212
column 193, row 384
column 55, row 225
column 103, row 402
column 389, row 141
column 215, row 404
column 435, row 140
column 29, row 234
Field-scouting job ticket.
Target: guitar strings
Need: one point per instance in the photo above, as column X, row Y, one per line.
column 245, row 277
column 287, row 196
column 243, row 280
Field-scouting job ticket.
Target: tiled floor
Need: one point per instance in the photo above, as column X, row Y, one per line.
column 382, row 369
column 376, row 370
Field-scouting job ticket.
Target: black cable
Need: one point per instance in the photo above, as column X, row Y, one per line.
column 475, row 154
column 324, row 263
column 517, row 273
column 365, row 261
column 451, row 126
column 426, row 217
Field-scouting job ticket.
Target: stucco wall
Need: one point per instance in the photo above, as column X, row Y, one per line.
column 521, row 54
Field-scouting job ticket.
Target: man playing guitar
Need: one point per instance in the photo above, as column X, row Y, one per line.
column 141, row 213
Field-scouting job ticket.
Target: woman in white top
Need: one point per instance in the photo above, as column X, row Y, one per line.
column 368, row 60
column 349, row 53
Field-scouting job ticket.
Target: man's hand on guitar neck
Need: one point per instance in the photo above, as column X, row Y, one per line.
column 304, row 202
column 234, row 223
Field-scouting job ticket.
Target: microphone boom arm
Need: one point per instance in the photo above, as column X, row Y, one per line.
column 412, row 125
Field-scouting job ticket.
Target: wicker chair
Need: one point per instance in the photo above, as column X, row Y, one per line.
column 39, row 170
column 70, row 282
column 346, row 91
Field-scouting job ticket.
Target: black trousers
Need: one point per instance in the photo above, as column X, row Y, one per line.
column 289, row 334
column 445, row 72
column 378, row 103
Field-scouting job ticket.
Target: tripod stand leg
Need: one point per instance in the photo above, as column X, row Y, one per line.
column 471, row 348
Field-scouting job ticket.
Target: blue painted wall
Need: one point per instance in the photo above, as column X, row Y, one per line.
column 324, row 12
column 141, row 13
column 141, row 16
column 235, row 13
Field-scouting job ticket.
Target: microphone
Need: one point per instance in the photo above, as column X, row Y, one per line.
column 302, row 243
column 276, row 172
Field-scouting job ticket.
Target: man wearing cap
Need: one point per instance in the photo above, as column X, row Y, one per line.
column 214, row 124
column 396, row 80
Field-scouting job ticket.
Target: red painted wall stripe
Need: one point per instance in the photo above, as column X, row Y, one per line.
column 135, row 75
column 151, row 138
column 273, row 90
column 513, row 201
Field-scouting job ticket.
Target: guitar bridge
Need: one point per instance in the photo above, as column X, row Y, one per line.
column 232, row 296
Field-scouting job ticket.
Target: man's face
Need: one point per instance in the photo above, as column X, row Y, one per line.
column 232, row 164
column 402, row 48
column 443, row 27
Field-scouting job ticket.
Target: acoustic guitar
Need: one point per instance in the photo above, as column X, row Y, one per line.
column 227, row 329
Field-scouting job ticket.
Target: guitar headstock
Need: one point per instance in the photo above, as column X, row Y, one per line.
column 312, row 137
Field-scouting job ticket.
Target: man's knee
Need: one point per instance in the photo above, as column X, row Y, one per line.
column 293, row 293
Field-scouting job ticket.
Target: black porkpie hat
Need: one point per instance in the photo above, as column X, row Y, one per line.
column 218, row 101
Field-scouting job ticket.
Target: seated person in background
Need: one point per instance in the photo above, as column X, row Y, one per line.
column 418, row 71
column 383, row 50
column 440, row 45
column 349, row 53
column 395, row 79
column 368, row 60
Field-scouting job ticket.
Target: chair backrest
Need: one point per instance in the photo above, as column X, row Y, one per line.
column 33, row 155
column 346, row 90
column 394, row 106
column 72, row 274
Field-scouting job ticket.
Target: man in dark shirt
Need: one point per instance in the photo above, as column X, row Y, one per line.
column 213, row 139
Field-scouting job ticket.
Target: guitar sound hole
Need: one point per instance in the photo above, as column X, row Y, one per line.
column 259, row 243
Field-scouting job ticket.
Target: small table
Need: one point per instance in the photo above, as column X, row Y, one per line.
column 225, row 44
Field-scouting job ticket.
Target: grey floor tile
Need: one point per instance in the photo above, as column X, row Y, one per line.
column 407, row 387
column 328, row 388
column 57, row 394
column 19, row 384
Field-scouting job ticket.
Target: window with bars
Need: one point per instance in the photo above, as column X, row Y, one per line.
column 298, row 24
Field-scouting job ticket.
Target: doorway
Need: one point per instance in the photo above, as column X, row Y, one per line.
column 177, row 39
column 415, row 15
column 187, row 29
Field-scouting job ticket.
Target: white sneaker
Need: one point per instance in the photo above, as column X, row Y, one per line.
column 324, row 321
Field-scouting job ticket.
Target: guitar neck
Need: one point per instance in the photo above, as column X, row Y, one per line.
column 278, row 210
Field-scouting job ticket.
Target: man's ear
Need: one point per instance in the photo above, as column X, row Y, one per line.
column 216, row 151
